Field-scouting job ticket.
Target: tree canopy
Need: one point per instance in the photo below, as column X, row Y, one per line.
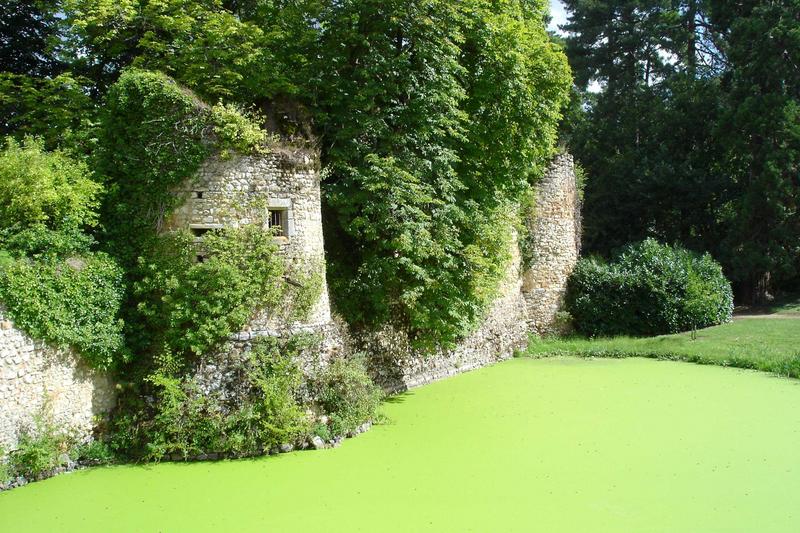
column 692, row 137
column 433, row 118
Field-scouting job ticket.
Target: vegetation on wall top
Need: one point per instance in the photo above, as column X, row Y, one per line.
column 437, row 116
column 53, row 285
column 155, row 135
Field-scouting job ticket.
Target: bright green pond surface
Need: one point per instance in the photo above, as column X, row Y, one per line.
column 526, row 445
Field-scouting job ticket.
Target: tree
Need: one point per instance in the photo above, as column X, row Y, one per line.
column 200, row 43
column 434, row 115
column 29, row 37
column 692, row 138
column 761, row 133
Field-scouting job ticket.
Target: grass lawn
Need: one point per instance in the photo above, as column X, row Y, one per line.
column 765, row 343
column 552, row 445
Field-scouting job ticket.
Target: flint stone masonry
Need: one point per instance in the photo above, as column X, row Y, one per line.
column 35, row 378
column 529, row 301
column 241, row 190
column 396, row 366
column 556, row 244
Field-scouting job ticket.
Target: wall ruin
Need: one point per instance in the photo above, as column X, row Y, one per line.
column 241, row 190
column 38, row 380
column 244, row 190
column 555, row 244
column 529, row 302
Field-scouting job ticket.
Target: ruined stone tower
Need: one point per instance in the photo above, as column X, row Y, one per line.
column 282, row 190
column 555, row 234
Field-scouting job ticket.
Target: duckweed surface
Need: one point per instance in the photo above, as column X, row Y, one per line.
column 528, row 445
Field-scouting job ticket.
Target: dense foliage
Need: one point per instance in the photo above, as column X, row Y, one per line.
column 51, row 282
column 692, row 133
column 189, row 307
column 433, row 118
column 154, row 136
column 437, row 116
column 346, row 393
column 68, row 303
column 40, row 188
column 650, row 289
column 268, row 408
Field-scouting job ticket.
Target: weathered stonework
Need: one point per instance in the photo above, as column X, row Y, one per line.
column 35, row 379
column 395, row 365
column 529, row 301
column 556, row 244
column 242, row 190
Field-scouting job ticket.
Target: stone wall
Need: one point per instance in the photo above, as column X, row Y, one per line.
column 555, row 244
column 529, row 301
column 396, row 366
column 35, row 379
column 243, row 190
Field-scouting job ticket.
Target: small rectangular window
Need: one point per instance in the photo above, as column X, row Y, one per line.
column 278, row 222
column 199, row 232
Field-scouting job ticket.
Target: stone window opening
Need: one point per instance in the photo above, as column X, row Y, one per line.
column 279, row 222
column 200, row 232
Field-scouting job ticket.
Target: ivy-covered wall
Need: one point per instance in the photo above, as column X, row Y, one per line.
column 235, row 191
column 530, row 298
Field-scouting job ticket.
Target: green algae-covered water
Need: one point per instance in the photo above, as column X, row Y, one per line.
column 526, row 445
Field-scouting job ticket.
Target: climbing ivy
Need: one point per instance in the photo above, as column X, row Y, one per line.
column 155, row 135
column 53, row 284
column 188, row 308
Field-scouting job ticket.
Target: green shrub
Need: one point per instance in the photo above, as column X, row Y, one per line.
column 347, row 395
column 51, row 283
column 94, row 452
column 650, row 289
column 50, row 188
column 5, row 468
column 275, row 410
column 40, row 450
column 182, row 419
column 189, row 307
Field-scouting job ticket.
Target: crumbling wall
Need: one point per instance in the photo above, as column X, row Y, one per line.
column 395, row 365
column 230, row 192
column 529, row 302
column 39, row 380
column 555, row 244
